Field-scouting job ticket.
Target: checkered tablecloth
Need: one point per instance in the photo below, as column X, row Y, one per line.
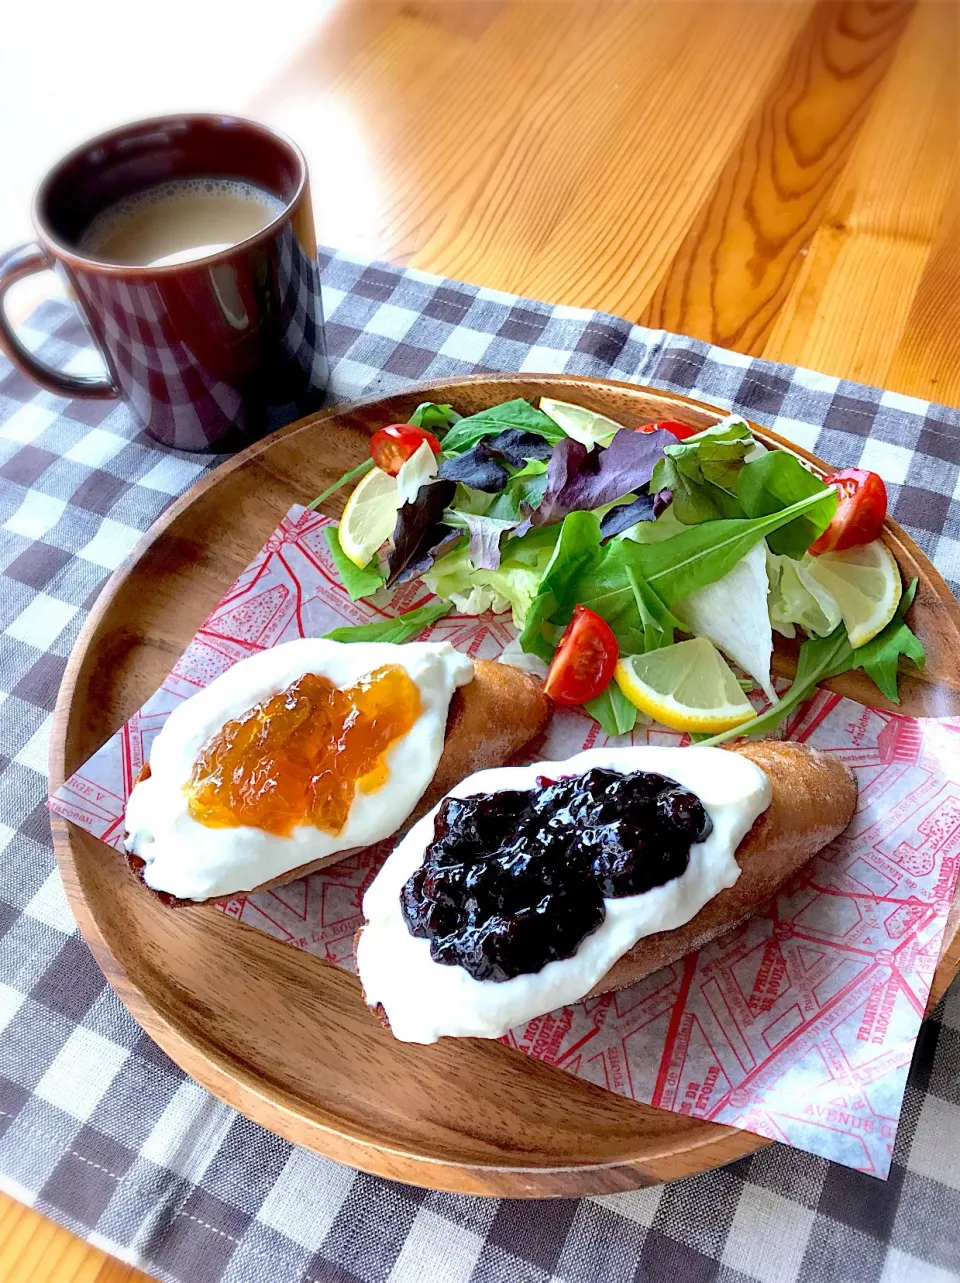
column 101, row 1131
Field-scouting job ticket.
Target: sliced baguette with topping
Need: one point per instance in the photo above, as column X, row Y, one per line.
column 490, row 720
column 813, row 798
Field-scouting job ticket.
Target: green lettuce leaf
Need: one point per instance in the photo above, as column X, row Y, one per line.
column 512, row 586
column 702, row 471
column 774, row 482
column 517, row 414
column 358, row 581
column 398, row 629
column 576, row 554
column 797, row 598
column 435, row 418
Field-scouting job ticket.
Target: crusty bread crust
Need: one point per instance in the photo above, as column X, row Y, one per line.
column 814, row 796
column 490, row 720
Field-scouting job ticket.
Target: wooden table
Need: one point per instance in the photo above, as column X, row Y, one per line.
column 780, row 178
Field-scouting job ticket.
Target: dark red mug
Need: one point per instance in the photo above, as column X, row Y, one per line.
column 210, row 352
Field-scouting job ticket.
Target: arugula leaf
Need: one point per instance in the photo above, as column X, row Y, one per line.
column 879, row 657
column 358, row 581
column 581, row 571
column 613, row 711
column 770, row 484
column 345, row 480
column 434, row 417
column 700, row 554
column 398, row 629
column 659, row 623
column 517, row 414
column 819, row 659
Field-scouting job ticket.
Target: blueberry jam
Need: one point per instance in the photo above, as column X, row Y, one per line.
column 514, row 880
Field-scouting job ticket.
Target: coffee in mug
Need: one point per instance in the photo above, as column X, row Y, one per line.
column 179, row 221
column 188, row 245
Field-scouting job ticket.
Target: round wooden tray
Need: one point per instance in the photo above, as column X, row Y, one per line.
column 272, row 1031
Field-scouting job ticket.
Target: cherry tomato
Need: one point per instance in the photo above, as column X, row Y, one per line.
column 860, row 512
column 392, row 446
column 680, row 430
column 584, row 661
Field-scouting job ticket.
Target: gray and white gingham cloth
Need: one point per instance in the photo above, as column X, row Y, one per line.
column 101, row 1131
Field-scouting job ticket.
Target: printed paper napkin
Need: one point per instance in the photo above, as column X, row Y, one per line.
column 799, row 1026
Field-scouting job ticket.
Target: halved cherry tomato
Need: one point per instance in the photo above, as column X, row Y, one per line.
column 392, row 446
column 680, row 430
column 860, row 512
column 584, row 661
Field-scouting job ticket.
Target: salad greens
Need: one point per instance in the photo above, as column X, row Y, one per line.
column 433, row 417
column 419, row 532
column 526, row 517
column 581, row 479
column 359, row 582
column 518, row 414
column 484, row 531
column 773, row 482
column 613, row 711
column 353, row 475
column 821, row 658
column 399, row 628
column 701, row 473
column 697, row 556
column 795, row 597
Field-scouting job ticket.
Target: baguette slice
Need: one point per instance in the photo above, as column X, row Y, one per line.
column 490, row 720
column 814, row 796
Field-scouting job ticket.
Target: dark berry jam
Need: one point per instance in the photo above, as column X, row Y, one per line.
column 514, row 880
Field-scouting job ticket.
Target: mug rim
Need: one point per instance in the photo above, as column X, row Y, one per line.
column 72, row 256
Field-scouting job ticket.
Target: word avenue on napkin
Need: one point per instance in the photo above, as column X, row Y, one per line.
column 799, row 1026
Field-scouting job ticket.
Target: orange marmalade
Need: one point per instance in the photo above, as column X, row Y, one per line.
column 298, row 757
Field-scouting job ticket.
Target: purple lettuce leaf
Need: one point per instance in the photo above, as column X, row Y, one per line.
column 517, row 446
column 477, row 468
column 579, row 479
column 419, row 530
column 485, row 535
column 626, row 515
column 661, row 502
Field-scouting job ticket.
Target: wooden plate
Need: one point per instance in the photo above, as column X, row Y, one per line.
column 272, row 1031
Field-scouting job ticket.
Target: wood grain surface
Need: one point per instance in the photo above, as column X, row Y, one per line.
column 781, row 177
column 277, row 1034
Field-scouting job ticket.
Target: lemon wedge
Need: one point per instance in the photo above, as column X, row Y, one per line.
column 370, row 516
column 688, row 686
column 865, row 584
column 585, row 426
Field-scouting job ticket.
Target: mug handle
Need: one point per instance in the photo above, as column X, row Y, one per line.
column 23, row 261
